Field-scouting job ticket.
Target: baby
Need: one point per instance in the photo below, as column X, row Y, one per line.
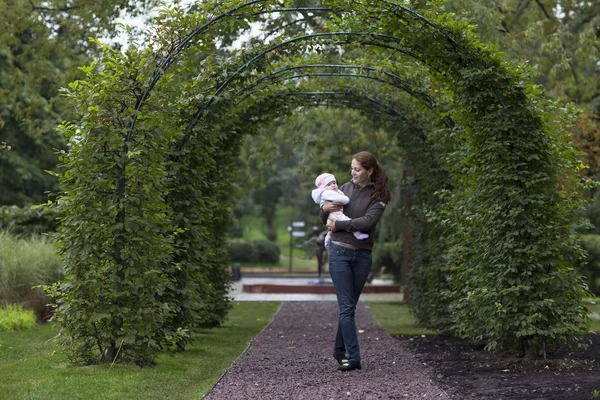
column 327, row 190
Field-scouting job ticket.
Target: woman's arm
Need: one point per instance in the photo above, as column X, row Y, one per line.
column 327, row 208
column 366, row 222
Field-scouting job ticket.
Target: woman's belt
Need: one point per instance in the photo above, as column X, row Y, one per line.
column 346, row 245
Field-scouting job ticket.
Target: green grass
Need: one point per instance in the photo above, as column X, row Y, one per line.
column 31, row 366
column 396, row 319
column 595, row 309
column 284, row 263
column 254, row 229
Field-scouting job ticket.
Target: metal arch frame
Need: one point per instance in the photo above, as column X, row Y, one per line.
column 320, row 75
column 448, row 121
column 261, row 54
column 372, row 102
column 429, row 101
column 425, row 98
column 170, row 57
column 390, row 110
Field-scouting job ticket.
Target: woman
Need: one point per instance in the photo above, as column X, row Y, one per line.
column 350, row 258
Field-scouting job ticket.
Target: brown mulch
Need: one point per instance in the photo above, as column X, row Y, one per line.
column 466, row 371
column 292, row 359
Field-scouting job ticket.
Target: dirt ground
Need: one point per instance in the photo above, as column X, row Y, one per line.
column 467, row 371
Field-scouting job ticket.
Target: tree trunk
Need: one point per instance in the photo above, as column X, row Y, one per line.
column 408, row 242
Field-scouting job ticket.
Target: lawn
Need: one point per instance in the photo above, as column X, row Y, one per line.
column 396, row 319
column 595, row 309
column 32, row 367
column 254, row 229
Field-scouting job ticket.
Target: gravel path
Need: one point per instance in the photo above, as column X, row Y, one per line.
column 292, row 359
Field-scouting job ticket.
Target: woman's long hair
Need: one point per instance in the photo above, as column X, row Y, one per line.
column 378, row 178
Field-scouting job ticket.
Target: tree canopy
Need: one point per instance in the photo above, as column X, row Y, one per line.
column 42, row 46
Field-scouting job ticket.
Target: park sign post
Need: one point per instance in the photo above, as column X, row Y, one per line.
column 294, row 230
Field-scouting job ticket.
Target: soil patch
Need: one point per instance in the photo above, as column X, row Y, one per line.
column 292, row 359
column 467, row 371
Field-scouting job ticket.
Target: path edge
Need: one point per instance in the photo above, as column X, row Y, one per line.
column 394, row 338
column 246, row 349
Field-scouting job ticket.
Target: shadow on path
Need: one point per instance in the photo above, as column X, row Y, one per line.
column 291, row 359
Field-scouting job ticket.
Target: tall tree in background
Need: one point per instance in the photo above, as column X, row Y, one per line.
column 558, row 37
column 283, row 160
column 42, row 44
column 561, row 40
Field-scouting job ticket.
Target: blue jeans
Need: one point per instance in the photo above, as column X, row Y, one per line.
column 349, row 270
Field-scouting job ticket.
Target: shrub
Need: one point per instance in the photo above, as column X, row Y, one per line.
column 235, row 229
column 25, row 263
column 15, row 318
column 241, row 252
column 266, row 251
column 387, row 255
column 29, row 220
column 592, row 213
column 261, row 251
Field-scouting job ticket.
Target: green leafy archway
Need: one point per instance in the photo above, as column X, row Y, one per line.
column 146, row 191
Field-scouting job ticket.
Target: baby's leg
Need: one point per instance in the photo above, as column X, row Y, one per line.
column 328, row 240
column 338, row 216
column 359, row 235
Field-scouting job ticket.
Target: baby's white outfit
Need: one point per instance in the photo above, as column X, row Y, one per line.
column 320, row 196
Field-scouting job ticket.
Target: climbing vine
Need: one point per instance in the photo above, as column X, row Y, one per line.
column 146, row 181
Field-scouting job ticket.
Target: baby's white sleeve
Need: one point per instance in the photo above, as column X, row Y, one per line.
column 337, row 196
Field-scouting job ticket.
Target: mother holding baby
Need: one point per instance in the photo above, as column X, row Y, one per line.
column 350, row 258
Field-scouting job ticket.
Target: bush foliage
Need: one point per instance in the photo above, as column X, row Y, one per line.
column 16, row 318
column 29, row 220
column 262, row 251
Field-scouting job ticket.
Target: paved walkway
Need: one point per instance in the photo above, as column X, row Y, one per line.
column 291, row 359
column 237, row 293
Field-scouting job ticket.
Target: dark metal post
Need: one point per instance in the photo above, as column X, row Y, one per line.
column 291, row 229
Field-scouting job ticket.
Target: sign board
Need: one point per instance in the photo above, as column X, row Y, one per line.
column 298, row 233
column 298, row 224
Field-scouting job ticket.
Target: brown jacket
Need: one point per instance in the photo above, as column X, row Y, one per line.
column 364, row 213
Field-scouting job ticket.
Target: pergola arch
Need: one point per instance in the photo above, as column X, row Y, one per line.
column 396, row 80
column 417, row 146
column 495, row 230
column 233, row 12
column 223, row 86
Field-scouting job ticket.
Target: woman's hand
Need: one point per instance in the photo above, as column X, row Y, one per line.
column 331, row 206
column 331, row 225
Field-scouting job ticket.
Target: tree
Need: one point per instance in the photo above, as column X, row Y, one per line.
column 284, row 157
column 561, row 40
column 42, row 45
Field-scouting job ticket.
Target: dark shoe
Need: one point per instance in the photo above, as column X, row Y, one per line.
column 348, row 366
column 340, row 358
